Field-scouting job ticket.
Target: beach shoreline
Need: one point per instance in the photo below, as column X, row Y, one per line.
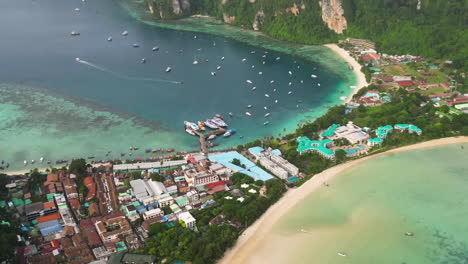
column 361, row 78
column 250, row 238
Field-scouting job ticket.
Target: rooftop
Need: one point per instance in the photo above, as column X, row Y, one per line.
column 305, row 144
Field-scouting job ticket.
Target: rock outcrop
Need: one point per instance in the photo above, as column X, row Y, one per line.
column 228, row 19
column 333, row 15
column 258, row 20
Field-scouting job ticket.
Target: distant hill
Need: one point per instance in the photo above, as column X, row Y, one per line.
column 433, row 28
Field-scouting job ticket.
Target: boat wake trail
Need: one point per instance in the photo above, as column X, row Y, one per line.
column 124, row 77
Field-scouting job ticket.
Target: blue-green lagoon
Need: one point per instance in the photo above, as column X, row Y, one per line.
column 367, row 209
column 55, row 107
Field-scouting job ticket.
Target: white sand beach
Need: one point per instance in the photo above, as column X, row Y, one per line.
column 248, row 240
column 361, row 78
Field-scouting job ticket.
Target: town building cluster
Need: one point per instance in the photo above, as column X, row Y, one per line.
column 97, row 217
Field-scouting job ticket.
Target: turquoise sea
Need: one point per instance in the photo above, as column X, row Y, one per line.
column 367, row 210
column 54, row 107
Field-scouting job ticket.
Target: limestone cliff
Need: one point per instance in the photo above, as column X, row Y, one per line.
column 258, row 20
column 333, row 15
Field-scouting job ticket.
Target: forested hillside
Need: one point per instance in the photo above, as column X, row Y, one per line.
column 432, row 28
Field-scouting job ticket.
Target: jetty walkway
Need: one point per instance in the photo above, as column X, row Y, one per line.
column 203, row 146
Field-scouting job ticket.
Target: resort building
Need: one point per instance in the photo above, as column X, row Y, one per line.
column 188, row 220
column 375, row 142
column 383, row 131
column 319, row 146
column 273, row 168
column 350, row 131
column 361, row 42
column 411, row 128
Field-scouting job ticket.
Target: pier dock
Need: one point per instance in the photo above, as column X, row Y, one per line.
column 203, row 146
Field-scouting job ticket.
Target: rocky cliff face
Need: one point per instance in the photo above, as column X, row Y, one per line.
column 179, row 5
column 333, row 15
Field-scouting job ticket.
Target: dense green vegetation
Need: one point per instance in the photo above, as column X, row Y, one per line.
column 438, row 29
column 210, row 242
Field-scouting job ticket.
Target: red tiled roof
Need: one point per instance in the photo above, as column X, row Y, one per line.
column 48, row 218
column 214, row 184
column 88, row 180
column 219, row 188
column 405, row 83
column 48, row 205
column 191, row 159
column 367, row 57
column 74, row 203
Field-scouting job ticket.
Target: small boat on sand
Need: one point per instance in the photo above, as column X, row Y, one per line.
column 409, row 234
column 342, row 254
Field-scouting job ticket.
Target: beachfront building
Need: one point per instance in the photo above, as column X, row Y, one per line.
column 188, row 220
column 272, row 161
column 319, row 146
column 409, row 127
column 375, row 142
column 248, row 167
column 350, row 131
column 149, row 165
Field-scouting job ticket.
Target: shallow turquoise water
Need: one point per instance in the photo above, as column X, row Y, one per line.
column 54, row 107
column 367, row 210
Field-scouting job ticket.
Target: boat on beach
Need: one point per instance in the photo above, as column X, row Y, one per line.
column 342, row 254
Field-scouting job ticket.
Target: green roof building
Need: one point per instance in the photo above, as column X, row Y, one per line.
column 330, row 131
column 320, row 146
column 411, row 128
column 375, row 141
column 383, row 131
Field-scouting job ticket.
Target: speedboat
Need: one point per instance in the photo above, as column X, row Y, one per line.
column 211, row 137
column 109, row 39
column 190, row 131
column 290, row 92
column 210, row 124
column 290, row 83
column 213, row 73
column 244, row 59
column 267, row 95
column 168, row 69
column 77, row 59
column 276, row 101
column 222, row 58
column 263, row 56
column 249, row 106
column 230, row 114
column 25, row 162
column 191, row 125
column 125, row 33
column 218, row 68
column 229, row 132
column 253, row 66
column 260, row 73
column 353, row 87
column 267, row 114
column 41, row 159
column 135, row 45
column 274, row 90
column 77, row 9
column 318, row 84
column 313, row 76
column 248, row 81
column 266, row 123
column 266, row 108
column 290, row 72
column 263, row 62
column 155, row 48
column 278, row 58
column 143, row 60
column 248, row 113
column 75, row 33
column 272, row 81
column 302, row 81
column 254, row 88
column 195, row 62
column 219, row 122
